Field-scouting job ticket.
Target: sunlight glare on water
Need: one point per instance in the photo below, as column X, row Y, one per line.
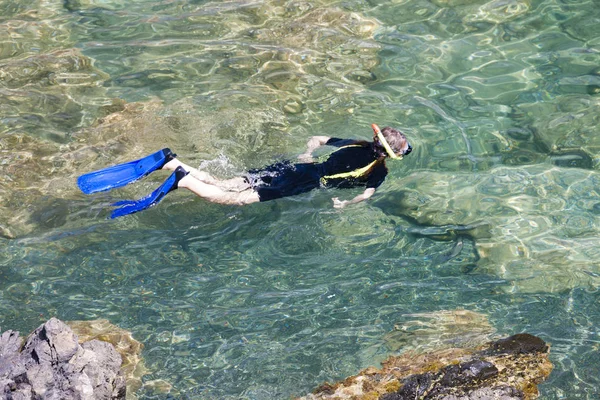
column 495, row 211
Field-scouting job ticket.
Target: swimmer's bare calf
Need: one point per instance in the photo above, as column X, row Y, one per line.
column 235, row 191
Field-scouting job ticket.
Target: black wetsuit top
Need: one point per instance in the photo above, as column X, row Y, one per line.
column 355, row 163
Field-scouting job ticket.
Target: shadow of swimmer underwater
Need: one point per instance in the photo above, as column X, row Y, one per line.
column 355, row 163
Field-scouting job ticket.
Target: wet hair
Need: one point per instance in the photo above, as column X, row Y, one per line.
column 395, row 139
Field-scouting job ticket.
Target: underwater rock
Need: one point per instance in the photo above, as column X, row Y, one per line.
column 538, row 219
column 441, row 329
column 455, row 3
column 59, row 67
column 566, row 129
column 499, row 11
column 39, row 176
column 48, row 95
column 52, row 364
column 312, row 25
column 506, row 369
column 491, row 11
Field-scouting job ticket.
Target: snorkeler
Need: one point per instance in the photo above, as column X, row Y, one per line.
column 354, row 163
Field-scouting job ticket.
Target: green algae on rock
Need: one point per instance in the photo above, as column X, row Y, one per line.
column 509, row 368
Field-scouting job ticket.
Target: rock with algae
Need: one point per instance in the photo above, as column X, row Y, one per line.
column 507, row 369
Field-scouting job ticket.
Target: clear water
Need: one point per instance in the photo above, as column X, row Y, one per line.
column 496, row 211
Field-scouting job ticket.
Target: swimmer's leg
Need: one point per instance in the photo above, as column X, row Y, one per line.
column 237, row 184
column 217, row 194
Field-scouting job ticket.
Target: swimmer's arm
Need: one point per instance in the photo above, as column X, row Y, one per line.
column 337, row 203
column 313, row 143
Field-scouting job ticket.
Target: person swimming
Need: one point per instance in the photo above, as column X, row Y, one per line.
column 355, row 163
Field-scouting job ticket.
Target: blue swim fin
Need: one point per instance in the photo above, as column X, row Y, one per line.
column 132, row 206
column 123, row 174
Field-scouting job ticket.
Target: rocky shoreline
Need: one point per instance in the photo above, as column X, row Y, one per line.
column 97, row 360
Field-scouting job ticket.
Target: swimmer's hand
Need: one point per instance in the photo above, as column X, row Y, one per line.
column 337, row 203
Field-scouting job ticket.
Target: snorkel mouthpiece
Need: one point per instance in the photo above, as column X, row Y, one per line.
column 384, row 143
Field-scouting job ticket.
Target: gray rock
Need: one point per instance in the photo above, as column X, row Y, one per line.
column 22, row 392
column 40, row 376
column 9, row 353
column 53, row 365
column 51, row 343
column 98, row 360
column 9, row 343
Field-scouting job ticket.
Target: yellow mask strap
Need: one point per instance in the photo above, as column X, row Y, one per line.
column 387, row 147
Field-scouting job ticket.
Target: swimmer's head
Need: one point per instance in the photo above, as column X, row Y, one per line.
column 391, row 142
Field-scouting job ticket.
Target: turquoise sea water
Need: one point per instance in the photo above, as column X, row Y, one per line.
column 496, row 211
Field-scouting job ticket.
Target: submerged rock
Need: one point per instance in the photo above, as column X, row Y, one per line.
column 440, row 329
column 533, row 220
column 38, row 174
column 66, row 67
column 505, row 369
column 52, row 364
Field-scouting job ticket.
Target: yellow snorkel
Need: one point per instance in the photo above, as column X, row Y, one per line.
column 384, row 142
